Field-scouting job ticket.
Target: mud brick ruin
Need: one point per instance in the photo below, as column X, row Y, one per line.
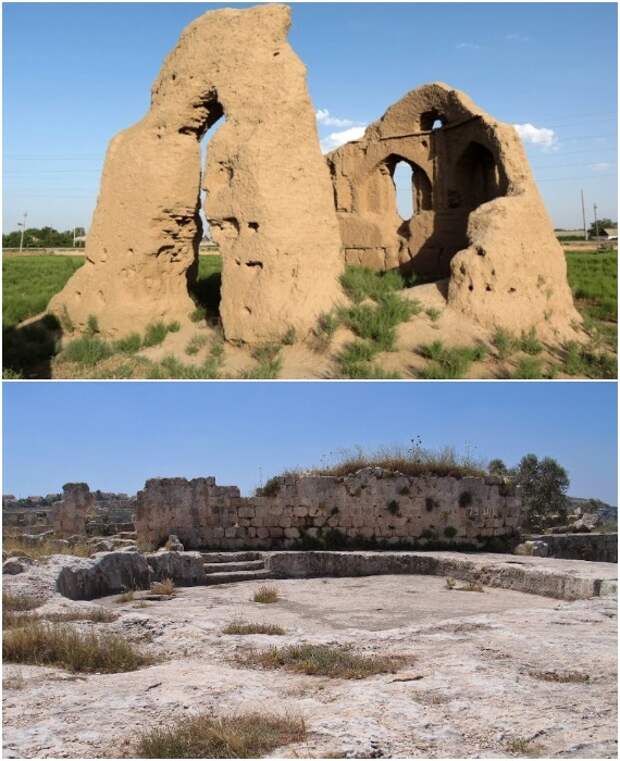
column 268, row 204
column 479, row 229
column 370, row 506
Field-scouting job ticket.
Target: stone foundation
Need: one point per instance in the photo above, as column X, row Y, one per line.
column 372, row 507
column 597, row 547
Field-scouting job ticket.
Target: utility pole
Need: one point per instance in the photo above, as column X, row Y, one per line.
column 583, row 217
column 595, row 222
column 74, row 229
column 21, row 237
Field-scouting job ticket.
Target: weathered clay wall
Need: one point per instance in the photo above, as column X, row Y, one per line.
column 370, row 505
column 269, row 200
column 598, row 547
column 478, row 219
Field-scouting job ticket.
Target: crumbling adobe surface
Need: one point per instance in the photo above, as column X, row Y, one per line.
column 73, row 510
column 370, row 505
column 479, row 225
column 269, row 200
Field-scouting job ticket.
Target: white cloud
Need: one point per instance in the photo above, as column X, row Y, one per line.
column 602, row 166
column 323, row 117
column 467, row 46
column 536, row 135
column 515, row 37
column 336, row 139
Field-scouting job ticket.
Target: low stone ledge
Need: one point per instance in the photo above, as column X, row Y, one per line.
column 541, row 576
column 601, row 548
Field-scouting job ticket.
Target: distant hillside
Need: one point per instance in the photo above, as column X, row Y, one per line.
column 606, row 512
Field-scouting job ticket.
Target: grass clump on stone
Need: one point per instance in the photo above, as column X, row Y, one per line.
column 165, row 587
column 519, row 746
column 266, row 594
column 447, row 362
column 335, row 661
column 243, row 627
column 237, row 736
column 414, row 461
column 561, row 677
column 587, row 362
column 362, row 283
column 54, row 644
column 130, row 344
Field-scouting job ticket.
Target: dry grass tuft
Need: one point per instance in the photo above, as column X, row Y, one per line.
column 51, row 644
column 563, row 677
column 266, row 594
column 203, row 736
column 14, row 545
column 519, row 746
column 413, row 461
column 243, row 627
column 450, row 582
column 165, row 587
column 338, row 662
column 126, row 596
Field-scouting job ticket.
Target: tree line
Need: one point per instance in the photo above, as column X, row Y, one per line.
column 42, row 237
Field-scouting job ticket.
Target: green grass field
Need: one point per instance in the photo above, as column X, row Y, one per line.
column 30, row 282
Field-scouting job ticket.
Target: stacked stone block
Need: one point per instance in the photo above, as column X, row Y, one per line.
column 370, row 505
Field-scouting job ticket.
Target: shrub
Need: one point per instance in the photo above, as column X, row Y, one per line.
column 338, row 662
column 269, row 363
column 465, row 499
column 173, row 327
column 404, row 490
column 433, row 314
column 241, row 627
column 450, row 532
column 155, row 334
column 361, row 283
column 562, row 677
column 199, row 314
column 430, row 503
column 271, row 487
column 87, row 351
column 528, row 368
column 238, row 736
column 165, row 587
column 92, row 326
column 519, row 746
column 266, row 594
column 529, row 342
column 195, row 344
column 289, row 338
column 60, row 645
column 129, row 344
column 393, row 507
column 449, row 363
column 504, row 342
column 126, row 596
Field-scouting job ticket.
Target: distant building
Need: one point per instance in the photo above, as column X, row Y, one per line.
column 611, row 233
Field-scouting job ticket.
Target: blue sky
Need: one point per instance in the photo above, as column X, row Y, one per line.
column 75, row 74
column 116, row 435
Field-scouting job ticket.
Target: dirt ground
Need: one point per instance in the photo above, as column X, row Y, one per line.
column 470, row 684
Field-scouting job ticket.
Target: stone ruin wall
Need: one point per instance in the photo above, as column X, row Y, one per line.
column 71, row 513
column 370, row 505
column 479, row 227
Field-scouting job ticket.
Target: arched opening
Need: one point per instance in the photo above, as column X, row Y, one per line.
column 477, row 177
column 412, row 187
column 432, row 120
column 204, row 277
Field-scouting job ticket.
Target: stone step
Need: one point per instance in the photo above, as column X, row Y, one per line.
column 248, row 565
column 232, row 576
column 229, row 557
